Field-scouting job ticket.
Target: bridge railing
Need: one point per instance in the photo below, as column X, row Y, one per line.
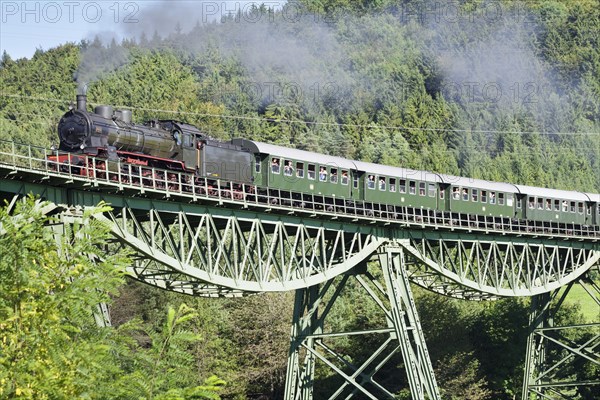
column 96, row 172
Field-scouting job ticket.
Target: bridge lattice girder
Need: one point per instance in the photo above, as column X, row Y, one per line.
column 192, row 242
column 244, row 252
column 202, row 248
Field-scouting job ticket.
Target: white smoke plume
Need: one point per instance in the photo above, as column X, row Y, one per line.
column 485, row 58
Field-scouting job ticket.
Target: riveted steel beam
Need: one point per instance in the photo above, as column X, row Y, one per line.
column 478, row 270
column 171, row 239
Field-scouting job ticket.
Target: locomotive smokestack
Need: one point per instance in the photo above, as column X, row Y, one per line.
column 81, row 102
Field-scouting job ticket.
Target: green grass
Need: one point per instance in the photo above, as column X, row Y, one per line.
column 589, row 308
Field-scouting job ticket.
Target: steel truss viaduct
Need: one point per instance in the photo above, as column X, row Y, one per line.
column 207, row 243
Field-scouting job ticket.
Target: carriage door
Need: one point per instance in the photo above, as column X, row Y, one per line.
column 260, row 169
column 522, row 206
column 444, row 197
column 356, row 190
column 589, row 213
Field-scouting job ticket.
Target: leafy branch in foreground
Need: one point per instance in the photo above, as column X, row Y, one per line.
column 52, row 280
column 53, row 276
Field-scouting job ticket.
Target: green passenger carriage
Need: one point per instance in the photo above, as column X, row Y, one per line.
column 336, row 179
column 594, row 205
column 477, row 196
column 302, row 171
column 554, row 205
column 400, row 186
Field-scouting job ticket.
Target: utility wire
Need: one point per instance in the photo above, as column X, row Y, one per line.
column 49, row 124
column 331, row 124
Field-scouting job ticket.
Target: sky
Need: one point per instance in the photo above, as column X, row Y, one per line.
column 29, row 25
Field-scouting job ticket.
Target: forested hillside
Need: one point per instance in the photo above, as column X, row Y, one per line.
column 510, row 95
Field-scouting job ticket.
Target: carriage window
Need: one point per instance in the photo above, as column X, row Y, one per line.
column 344, row 177
column 540, row 203
column 288, row 169
column 474, row 194
column 412, row 187
column 300, row 170
column 421, row 188
column 501, row 199
column 371, row 182
column 492, row 197
column 187, row 140
column 311, row 171
column 565, row 206
column 519, row 203
column 334, row 176
column 431, row 190
column 355, row 181
column 382, row 183
column 589, row 209
column 509, row 199
column 275, row 165
column 465, row 194
column 392, row 184
column 548, row 204
column 402, row 186
column 456, row 193
column 257, row 163
column 323, row 174
column 442, row 191
column 556, row 205
column 531, row 202
column 598, row 209
column 572, row 206
column 484, row 196
column 580, row 208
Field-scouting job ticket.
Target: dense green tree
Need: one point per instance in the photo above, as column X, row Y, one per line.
column 213, row 351
column 34, row 93
column 499, row 334
column 260, row 329
column 51, row 346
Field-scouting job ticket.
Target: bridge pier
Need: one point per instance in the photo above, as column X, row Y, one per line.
column 407, row 325
column 305, row 324
column 562, row 360
column 402, row 333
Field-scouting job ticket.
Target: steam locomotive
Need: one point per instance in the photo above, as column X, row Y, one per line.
column 162, row 144
column 301, row 176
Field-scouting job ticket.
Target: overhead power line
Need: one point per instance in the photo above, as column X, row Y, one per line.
column 313, row 123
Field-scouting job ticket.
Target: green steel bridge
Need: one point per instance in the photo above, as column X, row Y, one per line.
column 212, row 239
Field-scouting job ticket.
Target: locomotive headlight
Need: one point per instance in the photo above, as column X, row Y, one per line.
column 82, row 146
